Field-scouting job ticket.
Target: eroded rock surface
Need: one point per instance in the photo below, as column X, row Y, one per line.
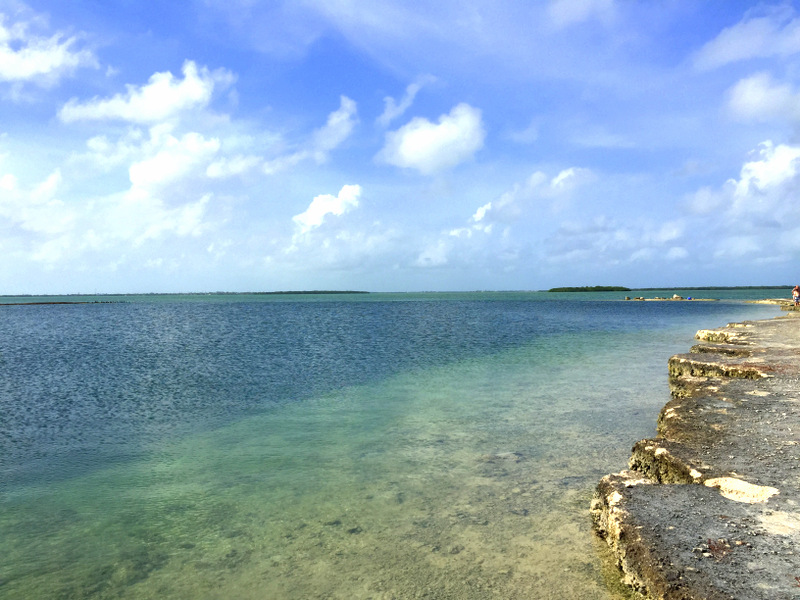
column 710, row 507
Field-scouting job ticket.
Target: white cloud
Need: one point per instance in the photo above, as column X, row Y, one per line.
column 526, row 198
column 105, row 154
column 393, row 109
column 235, row 165
column 28, row 57
column 668, row 232
column 481, row 212
column 171, row 158
column 163, row 97
column 759, row 98
column 677, row 253
column 185, row 220
column 342, row 249
column 159, row 156
column 327, row 204
column 337, row 129
column 749, row 216
column 8, row 182
column 765, row 184
column 604, row 241
column 570, row 178
column 38, row 209
column 501, row 230
column 434, row 255
column 737, row 247
column 775, row 33
column 430, row 147
column 705, row 200
column 55, row 223
column 568, row 12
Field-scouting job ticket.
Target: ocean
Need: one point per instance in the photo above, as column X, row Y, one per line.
column 342, row 446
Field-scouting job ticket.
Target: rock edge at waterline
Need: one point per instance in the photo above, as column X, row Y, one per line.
column 710, row 507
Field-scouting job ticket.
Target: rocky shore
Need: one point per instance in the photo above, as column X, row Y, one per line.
column 710, row 507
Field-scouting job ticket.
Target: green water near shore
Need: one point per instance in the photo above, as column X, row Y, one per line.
column 449, row 494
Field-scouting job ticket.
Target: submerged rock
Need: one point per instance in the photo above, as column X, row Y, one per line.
column 514, row 457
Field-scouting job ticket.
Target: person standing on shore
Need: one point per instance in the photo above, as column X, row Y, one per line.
column 796, row 295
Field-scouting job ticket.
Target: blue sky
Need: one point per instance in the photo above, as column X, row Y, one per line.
column 390, row 145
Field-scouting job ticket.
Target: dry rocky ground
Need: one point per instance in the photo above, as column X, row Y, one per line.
column 710, row 507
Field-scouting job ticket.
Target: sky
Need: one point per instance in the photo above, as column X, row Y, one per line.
column 394, row 145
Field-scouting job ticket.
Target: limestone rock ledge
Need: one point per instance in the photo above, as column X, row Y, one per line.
column 710, row 507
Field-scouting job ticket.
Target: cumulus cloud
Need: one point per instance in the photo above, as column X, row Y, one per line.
column 172, row 159
column 760, row 98
column 432, row 147
column 37, row 209
column 755, row 214
column 163, row 97
column 55, row 222
column 751, row 218
column 159, row 156
column 25, row 56
column 393, row 109
column 771, row 32
column 105, row 154
column 185, row 220
column 323, row 240
column 327, row 204
column 767, row 184
column 115, row 223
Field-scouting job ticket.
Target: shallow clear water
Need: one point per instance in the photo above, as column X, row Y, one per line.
column 381, row 446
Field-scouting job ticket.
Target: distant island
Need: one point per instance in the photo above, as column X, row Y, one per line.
column 592, row 288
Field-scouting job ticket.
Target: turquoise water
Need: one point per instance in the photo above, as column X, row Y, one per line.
column 378, row 446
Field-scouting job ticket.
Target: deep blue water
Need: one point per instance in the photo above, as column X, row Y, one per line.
column 105, row 393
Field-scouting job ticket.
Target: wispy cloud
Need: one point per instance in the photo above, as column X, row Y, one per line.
column 393, row 109
column 763, row 32
column 564, row 13
column 337, row 129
